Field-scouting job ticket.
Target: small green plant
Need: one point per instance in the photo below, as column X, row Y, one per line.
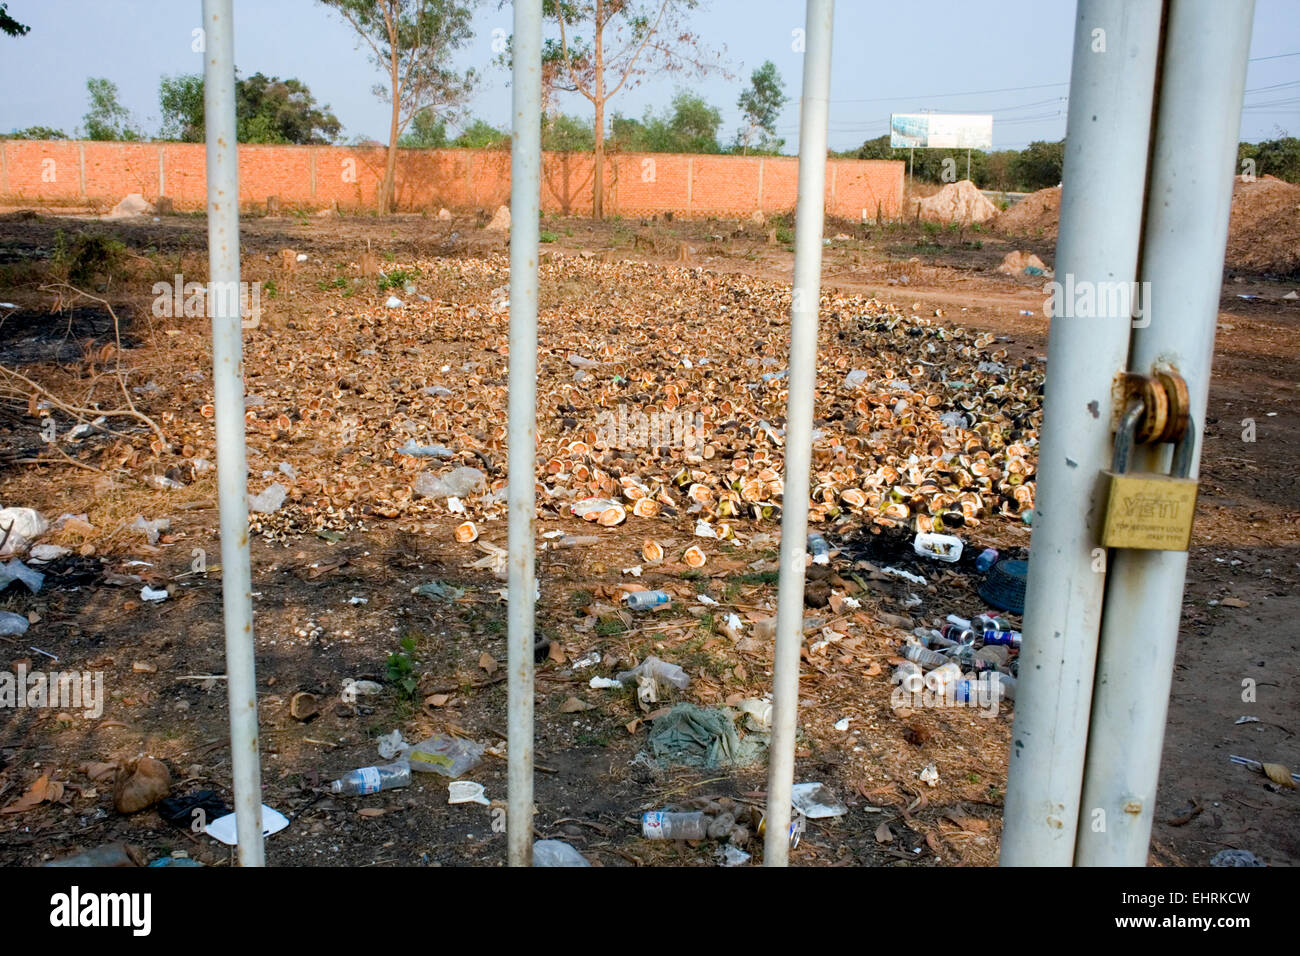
column 401, row 668
column 784, row 235
column 89, row 255
column 269, row 288
column 760, row 577
column 609, row 626
column 547, row 237
column 396, row 278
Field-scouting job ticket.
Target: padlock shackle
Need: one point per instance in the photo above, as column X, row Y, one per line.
column 1128, row 424
column 1182, row 463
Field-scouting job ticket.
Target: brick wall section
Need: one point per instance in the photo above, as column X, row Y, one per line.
column 315, row 177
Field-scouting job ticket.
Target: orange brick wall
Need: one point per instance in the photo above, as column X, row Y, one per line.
column 314, row 177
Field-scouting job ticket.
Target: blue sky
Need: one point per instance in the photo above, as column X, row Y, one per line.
column 1007, row 57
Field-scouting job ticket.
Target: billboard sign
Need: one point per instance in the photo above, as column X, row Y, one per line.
column 940, row 131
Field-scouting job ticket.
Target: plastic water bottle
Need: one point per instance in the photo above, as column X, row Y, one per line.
column 908, row 675
column 373, row 779
column 819, row 549
column 924, row 656
column 645, row 600
column 988, row 557
column 658, row 825
column 938, row 679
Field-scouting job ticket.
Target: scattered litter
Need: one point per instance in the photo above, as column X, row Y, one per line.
column 45, row 553
column 816, row 801
column 450, row 756
column 1247, row 720
column 226, row 830
column 153, row 594
column 604, row 511
column 393, row 302
column 269, row 500
column 425, row 451
column 367, row 780
column 15, row 570
column 689, row 735
column 458, row 483
column 556, row 853
column 930, row 776
column 466, row 791
column 906, row 575
column 1235, row 858
column 604, row 683
column 587, row 660
column 358, row 600
column 13, row 625
column 731, row 856
column 19, row 528
column 941, row 547
column 757, row 712
column 392, row 745
column 843, row 723
column 439, row 591
column 661, row 672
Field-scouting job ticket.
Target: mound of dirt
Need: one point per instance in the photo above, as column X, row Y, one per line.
column 1037, row 215
column 957, row 202
column 1263, row 230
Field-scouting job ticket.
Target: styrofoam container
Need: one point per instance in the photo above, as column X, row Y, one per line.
column 941, row 547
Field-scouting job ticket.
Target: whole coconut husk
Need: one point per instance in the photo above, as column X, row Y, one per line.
column 142, row 783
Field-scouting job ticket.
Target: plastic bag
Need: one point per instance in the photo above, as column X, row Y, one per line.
column 458, row 483
column 450, row 756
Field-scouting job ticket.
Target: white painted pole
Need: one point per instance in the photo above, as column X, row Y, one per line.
column 525, row 196
column 806, row 296
column 228, row 397
column 1107, row 134
column 1207, row 43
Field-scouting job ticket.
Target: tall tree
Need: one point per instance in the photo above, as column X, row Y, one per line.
column 9, row 26
column 761, row 105
column 267, row 110
column 606, row 45
column 410, row 42
column 428, row 130
column 107, row 118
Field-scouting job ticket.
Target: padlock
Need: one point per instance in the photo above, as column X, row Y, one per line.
column 1148, row 511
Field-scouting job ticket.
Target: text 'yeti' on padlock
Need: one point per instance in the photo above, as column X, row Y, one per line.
column 1149, row 511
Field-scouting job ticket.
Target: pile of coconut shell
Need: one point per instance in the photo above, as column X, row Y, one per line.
column 661, row 395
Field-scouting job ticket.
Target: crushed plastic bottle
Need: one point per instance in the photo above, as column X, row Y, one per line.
column 819, row 549
column 387, row 776
column 12, row 625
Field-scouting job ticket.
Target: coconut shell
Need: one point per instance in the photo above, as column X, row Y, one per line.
column 141, row 784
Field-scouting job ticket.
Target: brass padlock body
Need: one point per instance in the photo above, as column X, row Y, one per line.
column 1145, row 511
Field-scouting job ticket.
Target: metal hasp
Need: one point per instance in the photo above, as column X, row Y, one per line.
column 1146, row 510
column 228, row 399
column 804, row 306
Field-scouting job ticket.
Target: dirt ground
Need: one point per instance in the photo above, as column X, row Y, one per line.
column 339, row 382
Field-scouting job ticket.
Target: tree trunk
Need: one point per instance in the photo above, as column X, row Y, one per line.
column 388, row 187
column 598, row 91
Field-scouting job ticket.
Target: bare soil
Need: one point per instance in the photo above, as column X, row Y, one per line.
column 328, row 357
